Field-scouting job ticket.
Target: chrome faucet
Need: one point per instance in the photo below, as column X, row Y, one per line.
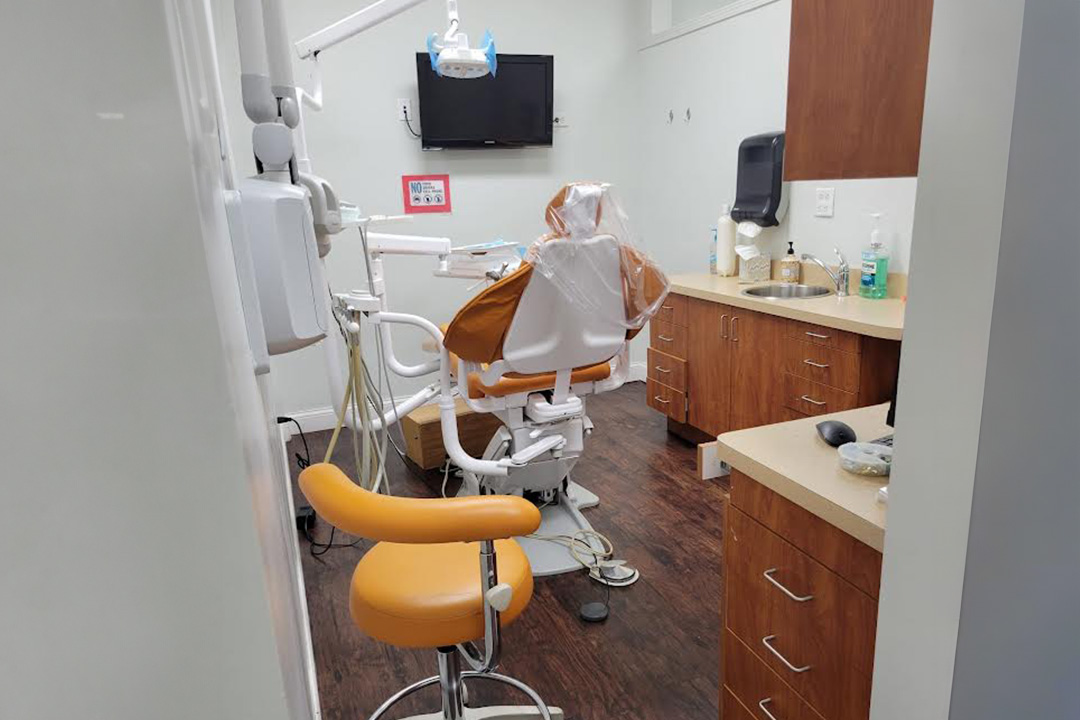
column 841, row 277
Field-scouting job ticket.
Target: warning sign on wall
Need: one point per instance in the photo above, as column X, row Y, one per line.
column 426, row 193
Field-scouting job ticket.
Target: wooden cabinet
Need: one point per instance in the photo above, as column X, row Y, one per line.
column 856, row 86
column 756, row 393
column 667, row 375
column 709, row 366
column 713, row 368
column 800, row 610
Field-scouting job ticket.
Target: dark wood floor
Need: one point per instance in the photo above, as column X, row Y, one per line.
column 658, row 654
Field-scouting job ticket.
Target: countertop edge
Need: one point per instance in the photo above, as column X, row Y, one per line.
column 792, row 311
column 839, row 517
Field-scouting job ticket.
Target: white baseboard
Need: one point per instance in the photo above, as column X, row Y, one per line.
column 639, row 372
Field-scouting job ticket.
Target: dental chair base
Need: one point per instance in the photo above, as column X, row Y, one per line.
column 547, row 478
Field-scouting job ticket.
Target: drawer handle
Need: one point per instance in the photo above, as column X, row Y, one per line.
column 666, row 307
column 665, row 339
column 723, row 330
column 663, row 370
column 661, row 400
column 812, row 401
column 734, row 329
column 765, row 709
column 797, row 598
column 817, row 336
column 767, row 642
column 811, row 363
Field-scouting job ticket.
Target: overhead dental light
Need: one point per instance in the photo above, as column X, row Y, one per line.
column 451, row 55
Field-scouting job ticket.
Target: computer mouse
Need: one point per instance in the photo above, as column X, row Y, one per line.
column 835, row 433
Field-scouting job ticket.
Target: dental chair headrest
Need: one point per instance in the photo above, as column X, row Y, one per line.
column 576, row 211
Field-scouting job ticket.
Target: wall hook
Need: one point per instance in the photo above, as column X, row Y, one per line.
column 670, row 116
column 687, row 115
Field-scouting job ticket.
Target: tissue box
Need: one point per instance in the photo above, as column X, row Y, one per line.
column 756, row 269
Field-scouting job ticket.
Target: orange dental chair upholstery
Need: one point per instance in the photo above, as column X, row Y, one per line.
column 445, row 573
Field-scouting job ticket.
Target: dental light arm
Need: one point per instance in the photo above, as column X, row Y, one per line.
column 450, row 54
column 361, row 20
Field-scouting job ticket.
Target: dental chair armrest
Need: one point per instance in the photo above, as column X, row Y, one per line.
column 349, row 507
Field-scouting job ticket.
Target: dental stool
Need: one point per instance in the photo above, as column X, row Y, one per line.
column 444, row 574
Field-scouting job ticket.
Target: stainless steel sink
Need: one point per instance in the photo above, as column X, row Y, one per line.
column 787, row 292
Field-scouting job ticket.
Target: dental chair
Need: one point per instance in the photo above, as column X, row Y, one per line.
column 444, row 574
column 449, row 573
column 531, row 348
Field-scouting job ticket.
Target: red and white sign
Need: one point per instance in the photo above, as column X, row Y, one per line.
column 426, row 193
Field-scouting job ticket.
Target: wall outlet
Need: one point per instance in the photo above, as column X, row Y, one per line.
column 826, row 198
column 404, row 109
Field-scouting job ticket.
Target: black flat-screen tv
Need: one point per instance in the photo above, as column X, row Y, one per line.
column 515, row 108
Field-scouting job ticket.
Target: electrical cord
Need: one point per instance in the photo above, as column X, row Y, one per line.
column 305, row 461
column 408, row 124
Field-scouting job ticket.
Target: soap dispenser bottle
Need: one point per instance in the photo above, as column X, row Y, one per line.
column 875, row 265
column 790, row 267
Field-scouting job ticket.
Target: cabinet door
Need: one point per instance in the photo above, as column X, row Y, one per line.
column 757, row 352
column 708, row 365
column 856, row 84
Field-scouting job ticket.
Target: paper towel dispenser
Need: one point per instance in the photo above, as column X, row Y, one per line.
column 760, row 190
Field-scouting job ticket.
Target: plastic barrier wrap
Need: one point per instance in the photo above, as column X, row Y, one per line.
column 581, row 211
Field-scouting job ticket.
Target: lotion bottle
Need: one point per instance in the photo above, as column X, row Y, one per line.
column 727, row 263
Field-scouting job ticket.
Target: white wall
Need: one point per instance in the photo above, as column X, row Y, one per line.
column 971, row 88
column 359, row 145
column 131, row 579
column 673, row 176
column 733, row 78
column 1017, row 651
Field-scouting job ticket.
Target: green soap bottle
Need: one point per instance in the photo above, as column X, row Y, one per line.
column 874, row 282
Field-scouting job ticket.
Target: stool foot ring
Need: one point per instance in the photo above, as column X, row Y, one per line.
column 401, row 695
column 545, row 712
column 538, row 711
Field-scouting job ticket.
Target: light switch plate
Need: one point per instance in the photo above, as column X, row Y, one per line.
column 826, row 198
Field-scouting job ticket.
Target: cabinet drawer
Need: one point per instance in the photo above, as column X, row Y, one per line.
column 852, row 560
column 674, row 310
column 733, row 709
column 667, row 400
column 668, row 338
column 667, row 370
column 811, row 628
column 824, row 336
column 754, row 684
column 787, row 415
column 822, row 364
column 811, row 398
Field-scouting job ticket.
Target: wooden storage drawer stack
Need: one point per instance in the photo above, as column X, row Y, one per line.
column 826, row 370
column 801, row 612
column 668, row 340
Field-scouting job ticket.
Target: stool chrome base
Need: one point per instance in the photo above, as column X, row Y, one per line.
column 451, row 681
column 504, row 712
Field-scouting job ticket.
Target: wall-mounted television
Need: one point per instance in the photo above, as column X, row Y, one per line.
column 515, row 108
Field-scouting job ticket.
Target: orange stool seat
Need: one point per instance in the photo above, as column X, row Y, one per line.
column 428, row 596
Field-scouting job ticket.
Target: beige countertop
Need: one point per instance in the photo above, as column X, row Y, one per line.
column 791, row 460
column 876, row 318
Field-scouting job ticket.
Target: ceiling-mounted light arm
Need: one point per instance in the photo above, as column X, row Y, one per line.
column 370, row 16
column 453, row 19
